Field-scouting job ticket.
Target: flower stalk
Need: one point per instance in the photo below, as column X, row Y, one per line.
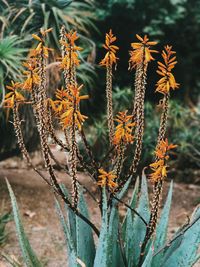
column 109, row 61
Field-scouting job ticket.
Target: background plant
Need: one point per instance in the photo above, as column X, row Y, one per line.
column 22, row 18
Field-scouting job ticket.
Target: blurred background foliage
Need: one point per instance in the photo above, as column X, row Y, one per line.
column 174, row 22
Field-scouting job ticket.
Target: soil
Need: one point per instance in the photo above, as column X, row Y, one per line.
column 41, row 223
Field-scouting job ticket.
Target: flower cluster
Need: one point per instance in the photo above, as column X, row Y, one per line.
column 167, row 81
column 72, row 113
column 32, row 77
column 124, row 128
column 40, row 47
column 71, row 57
column 110, row 57
column 107, row 179
column 14, row 95
column 60, row 104
column 141, row 51
column 159, row 167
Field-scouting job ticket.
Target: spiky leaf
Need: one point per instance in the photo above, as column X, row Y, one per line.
column 70, row 216
column 114, row 251
column 128, row 220
column 185, row 252
column 148, row 260
column 101, row 252
column 161, row 230
column 68, row 238
column 136, row 236
column 84, row 237
column 29, row 256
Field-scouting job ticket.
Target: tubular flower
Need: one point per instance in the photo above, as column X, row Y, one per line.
column 40, row 47
column 71, row 58
column 73, row 110
column 110, row 57
column 124, row 128
column 106, row 179
column 60, row 104
column 163, row 148
column 14, row 95
column 159, row 170
column 167, row 81
column 159, row 167
column 141, row 51
column 32, row 77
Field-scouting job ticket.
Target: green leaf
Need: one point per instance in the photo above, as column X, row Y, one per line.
column 128, row 220
column 185, row 253
column 29, row 256
column 85, row 241
column 136, row 236
column 148, row 260
column 161, row 229
column 101, row 252
column 114, row 252
column 68, row 238
column 124, row 189
column 70, row 216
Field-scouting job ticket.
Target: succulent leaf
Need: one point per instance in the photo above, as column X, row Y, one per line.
column 101, row 256
column 29, row 256
column 161, row 230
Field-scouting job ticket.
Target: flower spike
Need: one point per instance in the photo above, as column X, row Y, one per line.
column 108, row 61
column 107, row 179
column 124, row 128
column 110, row 57
column 141, row 52
column 14, row 95
column 167, row 81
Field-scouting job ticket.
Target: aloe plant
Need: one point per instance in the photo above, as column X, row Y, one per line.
column 119, row 240
column 137, row 239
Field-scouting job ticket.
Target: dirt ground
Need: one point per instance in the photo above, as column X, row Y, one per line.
column 36, row 203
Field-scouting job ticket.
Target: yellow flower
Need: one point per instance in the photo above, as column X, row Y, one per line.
column 71, row 57
column 163, row 148
column 73, row 102
column 159, row 170
column 13, row 95
column 61, row 103
column 32, row 77
column 40, row 47
column 106, row 179
column 141, row 51
column 110, row 57
column 167, row 81
column 124, row 128
column 159, row 167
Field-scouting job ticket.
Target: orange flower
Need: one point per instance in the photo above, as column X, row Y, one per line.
column 163, row 148
column 159, row 167
column 110, row 57
column 159, row 170
column 106, row 179
column 13, row 95
column 40, row 47
column 141, row 51
column 167, row 81
column 61, row 103
column 124, row 128
column 73, row 109
column 71, row 58
column 31, row 73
